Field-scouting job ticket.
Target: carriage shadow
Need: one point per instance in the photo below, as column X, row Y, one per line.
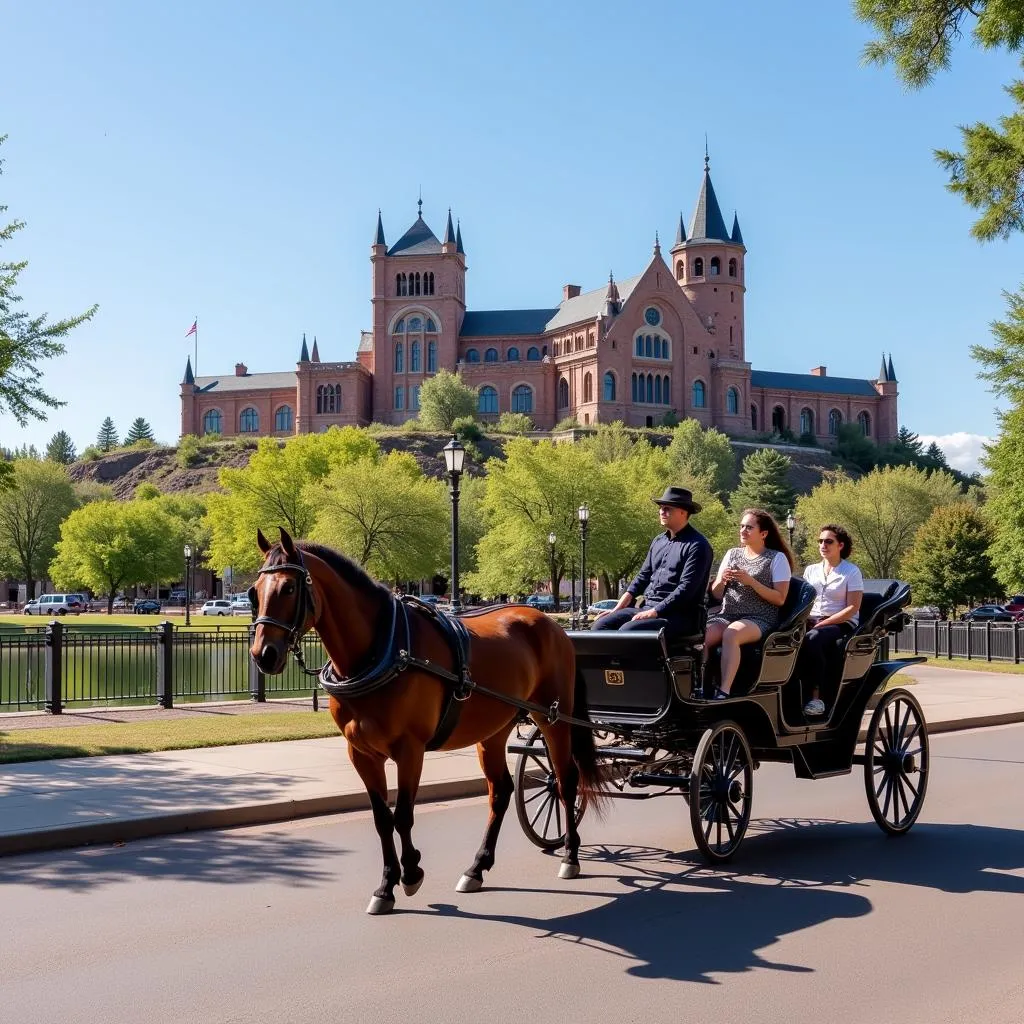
column 680, row 920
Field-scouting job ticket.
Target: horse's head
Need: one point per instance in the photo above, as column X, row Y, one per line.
column 283, row 603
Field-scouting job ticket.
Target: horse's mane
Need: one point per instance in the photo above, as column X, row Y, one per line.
column 350, row 571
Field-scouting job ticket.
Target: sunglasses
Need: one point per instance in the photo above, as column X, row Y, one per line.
column 826, row 541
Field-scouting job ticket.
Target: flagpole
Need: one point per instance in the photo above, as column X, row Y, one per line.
column 197, row 347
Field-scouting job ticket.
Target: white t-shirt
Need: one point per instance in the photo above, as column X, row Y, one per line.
column 780, row 567
column 833, row 591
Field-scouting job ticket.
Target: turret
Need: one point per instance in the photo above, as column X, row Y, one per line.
column 304, row 354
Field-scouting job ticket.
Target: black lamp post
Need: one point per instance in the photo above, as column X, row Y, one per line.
column 584, row 514
column 188, row 581
column 791, row 526
column 455, row 460
column 551, row 548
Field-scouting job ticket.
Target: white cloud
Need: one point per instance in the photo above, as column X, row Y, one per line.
column 963, row 451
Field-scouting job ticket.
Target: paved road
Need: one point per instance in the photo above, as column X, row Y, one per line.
column 820, row 918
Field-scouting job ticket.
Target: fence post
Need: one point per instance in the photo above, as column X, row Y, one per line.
column 165, row 665
column 55, row 667
column 914, row 622
column 1016, row 644
column 988, row 640
column 257, row 680
column 949, row 639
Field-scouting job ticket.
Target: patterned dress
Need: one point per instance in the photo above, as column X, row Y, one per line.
column 739, row 601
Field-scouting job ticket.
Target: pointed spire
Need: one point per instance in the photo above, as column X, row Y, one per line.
column 708, row 222
column 304, row 354
column 737, row 235
column 892, row 372
column 883, row 373
column 611, row 297
column 379, row 238
column 189, row 376
column 316, row 351
column 419, row 203
column 449, row 231
column 657, row 244
column 458, row 238
column 680, row 231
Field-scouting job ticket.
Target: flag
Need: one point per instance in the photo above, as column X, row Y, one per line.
column 192, row 330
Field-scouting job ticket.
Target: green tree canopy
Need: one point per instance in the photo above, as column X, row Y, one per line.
column 60, row 448
column 698, row 452
column 106, row 439
column 444, row 399
column 764, row 484
column 1004, row 459
column 853, row 446
column 948, row 564
column 140, row 430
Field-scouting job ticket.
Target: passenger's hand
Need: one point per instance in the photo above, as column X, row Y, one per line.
column 738, row 576
column 647, row 613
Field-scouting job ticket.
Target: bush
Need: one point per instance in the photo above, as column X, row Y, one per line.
column 514, row 423
column 142, row 442
column 466, row 429
column 189, row 453
column 90, row 454
column 213, row 438
column 569, row 423
column 810, row 440
column 412, row 425
column 670, row 419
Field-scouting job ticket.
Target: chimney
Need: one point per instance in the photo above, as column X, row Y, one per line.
column 241, row 369
column 818, row 371
column 570, row 291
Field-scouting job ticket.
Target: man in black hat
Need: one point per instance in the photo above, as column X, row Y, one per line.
column 673, row 578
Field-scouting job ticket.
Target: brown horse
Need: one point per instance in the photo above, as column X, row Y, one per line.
column 515, row 651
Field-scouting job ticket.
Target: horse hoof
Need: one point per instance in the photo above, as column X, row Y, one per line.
column 469, row 884
column 569, row 871
column 411, row 890
column 380, row 905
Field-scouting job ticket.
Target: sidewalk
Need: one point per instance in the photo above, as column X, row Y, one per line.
column 77, row 801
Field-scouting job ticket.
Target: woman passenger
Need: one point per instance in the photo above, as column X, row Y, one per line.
column 752, row 583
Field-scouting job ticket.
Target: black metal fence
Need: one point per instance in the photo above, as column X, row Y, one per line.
column 984, row 641
column 55, row 667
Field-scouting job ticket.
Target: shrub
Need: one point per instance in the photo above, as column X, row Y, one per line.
column 466, row 429
column 412, row 425
column 90, row 454
column 514, row 423
column 670, row 419
column 569, row 423
column 811, row 440
column 189, row 453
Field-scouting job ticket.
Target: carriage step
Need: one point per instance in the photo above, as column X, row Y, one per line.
column 659, row 779
column 623, row 753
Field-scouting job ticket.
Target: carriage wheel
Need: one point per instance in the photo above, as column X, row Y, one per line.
column 896, row 762
column 721, row 791
column 538, row 804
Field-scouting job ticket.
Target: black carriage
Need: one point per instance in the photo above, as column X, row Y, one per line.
column 658, row 734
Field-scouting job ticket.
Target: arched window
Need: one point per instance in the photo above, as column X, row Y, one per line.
column 698, row 394
column 753, row 416
column 472, row 355
column 716, row 266
column 835, row 421
column 588, row 387
column 639, row 345
column 648, row 346
column 634, row 390
column 522, row 398
column 513, row 355
column 283, row 418
column 328, row 398
column 657, row 389
column 650, row 387
column 657, row 346
column 732, row 402
column 679, row 270
column 666, row 391
column 414, row 397
column 414, row 357
column 399, row 398
column 249, row 421
column 698, row 267
column 491, row 355
column 400, row 327
column 778, row 419
column 806, row 421
column 532, row 354
column 864, row 420
column 415, row 324
column 212, row 422
column 430, row 284
column 399, row 358
column 732, row 267
column 431, row 327
column 431, row 357
column 487, row 399
column 609, row 387
column 401, row 284
column 563, row 394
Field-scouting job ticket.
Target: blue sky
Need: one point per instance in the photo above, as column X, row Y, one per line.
column 227, row 160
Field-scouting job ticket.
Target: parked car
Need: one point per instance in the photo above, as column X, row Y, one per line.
column 430, row 598
column 55, row 604
column 604, row 605
column 1015, row 605
column 146, row 606
column 987, row 613
column 926, row 611
column 545, row 602
column 240, row 604
column 219, row 606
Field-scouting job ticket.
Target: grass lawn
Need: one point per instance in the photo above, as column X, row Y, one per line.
column 977, row 665
column 176, row 734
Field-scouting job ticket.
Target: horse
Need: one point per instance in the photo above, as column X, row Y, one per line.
column 392, row 703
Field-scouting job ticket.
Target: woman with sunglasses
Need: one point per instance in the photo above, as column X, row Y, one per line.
column 835, row 612
column 752, row 583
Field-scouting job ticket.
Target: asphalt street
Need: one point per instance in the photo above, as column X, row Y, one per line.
column 820, row 917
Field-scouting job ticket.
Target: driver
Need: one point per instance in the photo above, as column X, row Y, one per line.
column 673, row 578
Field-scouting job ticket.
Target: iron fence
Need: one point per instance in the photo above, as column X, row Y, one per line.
column 984, row 641
column 55, row 667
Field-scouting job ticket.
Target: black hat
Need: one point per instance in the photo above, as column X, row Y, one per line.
column 680, row 497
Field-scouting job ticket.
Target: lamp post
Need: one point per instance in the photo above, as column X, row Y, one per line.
column 455, row 460
column 551, row 549
column 188, row 578
column 584, row 514
column 791, row 526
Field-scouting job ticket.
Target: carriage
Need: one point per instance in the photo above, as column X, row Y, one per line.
column 658, row 735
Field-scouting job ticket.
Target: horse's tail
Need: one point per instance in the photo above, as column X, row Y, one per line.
column 584, row 752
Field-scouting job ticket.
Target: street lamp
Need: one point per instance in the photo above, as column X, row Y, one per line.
column 584, row 514
column 188, row 577
column 551, row 548
column 791, row 526
column 454, row 460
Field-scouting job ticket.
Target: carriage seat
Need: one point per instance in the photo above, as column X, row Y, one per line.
column 881, row 612
column 624, row 673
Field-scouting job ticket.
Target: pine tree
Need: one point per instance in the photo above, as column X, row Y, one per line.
column 140, row 430
column 935, row 458
column 60, row 449
column 107, row 437
column 763, row 484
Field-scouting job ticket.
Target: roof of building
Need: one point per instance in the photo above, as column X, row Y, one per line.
column 189, row 375
column 304, row 354
column 419, row 240
column 488, row 323
column 883, row 373
column 811, row 382
column 248, row 382
column 708, row 222
column 891, row 371
column 588, row 305
column 365, row 341
column 737, row 235
column 458, row 239
column 379, row 237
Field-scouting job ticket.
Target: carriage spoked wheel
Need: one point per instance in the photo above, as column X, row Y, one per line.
column 896, row 762
column 721, row 791
column 538, row 804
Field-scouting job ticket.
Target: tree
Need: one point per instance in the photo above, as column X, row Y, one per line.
column 763, row 484
column 106, row 440
column 26, row 340
column 698, row 452
column 31, row 512
column 882, row 510
column 444, row 399
column 514, row 423
column 948, row 564
column 853, row 446
column 935, row 457
column 1004, row 459
column 140, row 430
column 60, row 449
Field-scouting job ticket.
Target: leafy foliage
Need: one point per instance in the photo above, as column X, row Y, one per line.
column 1004, row 459
column 444, row 399
column 61, row 449
column 764, row 484
column 106, row 440
column 514, row 423
column 696, row 452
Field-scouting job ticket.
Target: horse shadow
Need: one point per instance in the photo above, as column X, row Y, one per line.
column 680, row 920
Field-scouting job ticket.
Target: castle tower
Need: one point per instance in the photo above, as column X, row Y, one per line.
column 886, row 427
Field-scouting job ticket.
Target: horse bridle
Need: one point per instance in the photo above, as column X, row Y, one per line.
column 304, row 603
